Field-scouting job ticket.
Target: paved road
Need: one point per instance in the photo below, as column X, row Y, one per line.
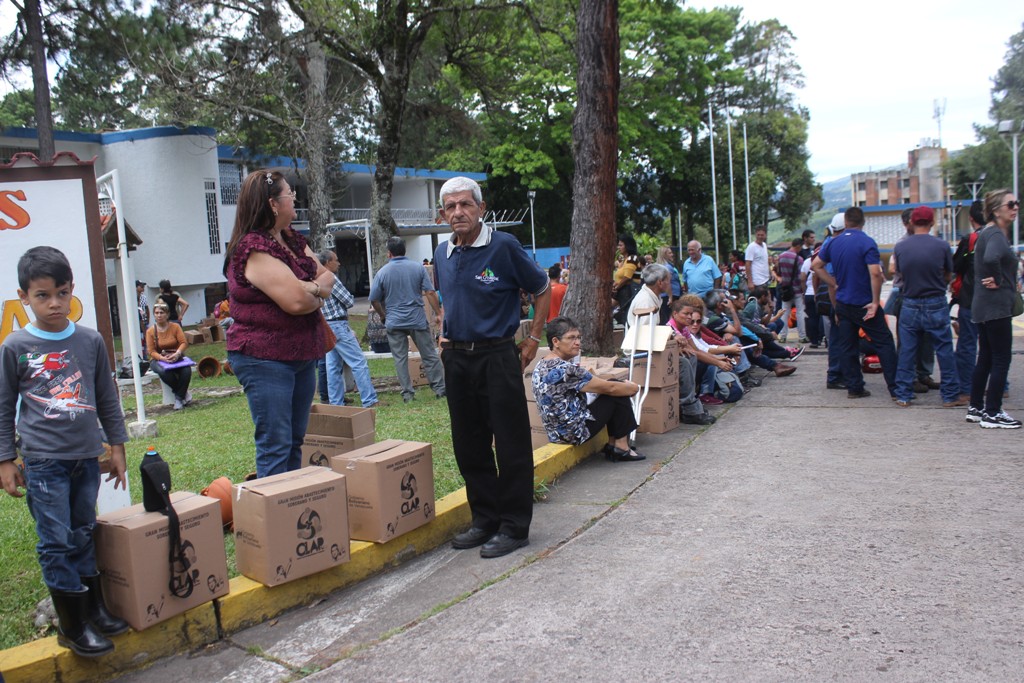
column 805, row 536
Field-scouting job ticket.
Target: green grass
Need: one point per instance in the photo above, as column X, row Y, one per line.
column 211, row 438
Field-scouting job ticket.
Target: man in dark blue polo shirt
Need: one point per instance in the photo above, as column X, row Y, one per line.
column 855, row 292
column 479, row 273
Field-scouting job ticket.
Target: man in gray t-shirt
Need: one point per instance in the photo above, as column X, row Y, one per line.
column 925, row 265
column 397, row 295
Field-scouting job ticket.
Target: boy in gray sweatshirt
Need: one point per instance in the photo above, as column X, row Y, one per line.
column 61, row 375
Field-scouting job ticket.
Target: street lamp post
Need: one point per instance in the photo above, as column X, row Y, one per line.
column 531, row 195
column 976, row 186
column 1012, row 129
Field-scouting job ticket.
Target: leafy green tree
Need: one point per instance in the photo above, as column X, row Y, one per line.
column 992, row 155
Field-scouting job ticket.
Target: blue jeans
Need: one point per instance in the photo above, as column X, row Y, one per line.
column 321, row 380
column 919, row 317
column 280, row 394
column 851, row 321
column 348, row 352
column 62, row 501
column 966, row 348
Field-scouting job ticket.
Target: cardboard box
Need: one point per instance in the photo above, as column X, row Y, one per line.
column 208, row 322
column 291, row 525
column 343, row 421
column 132, row 548
column 523, row 330
column 390, row 488
column 217, row 332
column 416, row 372
column 660, row 410
column 318, row 450
column 207, row 335
column 194, row 337
column 539, row 437
column 664, row 366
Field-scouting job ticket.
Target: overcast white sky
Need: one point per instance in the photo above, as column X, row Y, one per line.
column 872, row 76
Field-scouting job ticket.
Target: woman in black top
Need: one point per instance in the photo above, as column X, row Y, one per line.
column 995, row 291
column 176, row 304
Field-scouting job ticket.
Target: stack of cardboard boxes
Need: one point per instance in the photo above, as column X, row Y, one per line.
column 660, row 410
column 207, row 332
column 336, row 429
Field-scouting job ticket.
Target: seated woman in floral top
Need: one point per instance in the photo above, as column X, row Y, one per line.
column 574, row 404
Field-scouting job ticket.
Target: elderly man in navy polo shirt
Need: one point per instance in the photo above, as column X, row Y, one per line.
column 479, row 273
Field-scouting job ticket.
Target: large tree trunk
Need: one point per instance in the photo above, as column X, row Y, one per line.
column 40, row 83
column 392, row 92
column 595, row 150
column 316, row 138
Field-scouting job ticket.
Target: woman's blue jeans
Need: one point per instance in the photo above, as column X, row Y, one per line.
column 62, row 501
column 280, row 394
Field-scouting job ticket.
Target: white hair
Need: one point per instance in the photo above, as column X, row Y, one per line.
column 461, row 184
column 653, row 274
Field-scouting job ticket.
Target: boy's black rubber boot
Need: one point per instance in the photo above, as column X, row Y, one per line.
column 75, row 631
column 97, row 613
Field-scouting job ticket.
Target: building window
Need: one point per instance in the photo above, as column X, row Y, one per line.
column 861, row 186
column 230, row 182
column 7, row 153
column 212, row 223
column 883, row 202
column 906, row 183
column 906, row 200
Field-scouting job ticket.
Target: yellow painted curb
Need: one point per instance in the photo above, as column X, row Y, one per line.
column 46, row 661
column 250, row 603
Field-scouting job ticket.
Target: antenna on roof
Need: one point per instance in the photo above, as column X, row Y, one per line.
column 940, row 111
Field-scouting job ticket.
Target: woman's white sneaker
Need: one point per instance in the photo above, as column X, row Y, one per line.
column 974, row 414
column 999, row 421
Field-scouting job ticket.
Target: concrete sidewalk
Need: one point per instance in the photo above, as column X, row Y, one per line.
column 805, row 536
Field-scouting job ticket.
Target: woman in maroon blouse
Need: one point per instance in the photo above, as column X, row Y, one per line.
column 276, row 287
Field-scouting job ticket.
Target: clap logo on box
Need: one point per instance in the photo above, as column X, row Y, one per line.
column 183, row 576
column 408, row 487
column 308, row 530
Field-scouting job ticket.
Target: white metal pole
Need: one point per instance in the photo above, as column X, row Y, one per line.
column 714, row 193
column 369, row 256
column 746, row 172
column 732, row 184
column 130, row 303
column 533, row 234
column 679, row 235
column 1016, row 186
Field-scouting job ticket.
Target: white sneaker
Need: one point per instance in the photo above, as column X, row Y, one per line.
column 188, row 398
column 973, row 414
column 999, row 421
column 177, row 404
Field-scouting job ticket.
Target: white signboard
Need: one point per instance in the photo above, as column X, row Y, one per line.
column 54, row 206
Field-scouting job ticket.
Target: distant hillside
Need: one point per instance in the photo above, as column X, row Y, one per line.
column 836, row 194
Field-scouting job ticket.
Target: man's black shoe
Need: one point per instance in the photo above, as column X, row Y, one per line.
column 471, row 538
column 702, row 419
column 501, row 544
column 863, row 393
column 835, row 385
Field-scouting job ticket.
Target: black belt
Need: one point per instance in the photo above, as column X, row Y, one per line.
column 469, row 346
column 334, row 320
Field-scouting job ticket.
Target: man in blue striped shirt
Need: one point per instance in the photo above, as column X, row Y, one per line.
column 347, row 351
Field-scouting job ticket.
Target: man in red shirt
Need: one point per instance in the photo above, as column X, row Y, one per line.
column 557, row 291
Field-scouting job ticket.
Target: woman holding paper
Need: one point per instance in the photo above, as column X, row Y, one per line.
column 166, row 344
column 574, row 405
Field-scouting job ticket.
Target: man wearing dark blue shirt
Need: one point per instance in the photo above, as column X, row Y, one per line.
column 855, row 291
column 479, row 273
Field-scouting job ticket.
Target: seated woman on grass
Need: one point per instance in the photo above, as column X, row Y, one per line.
column 574, row 404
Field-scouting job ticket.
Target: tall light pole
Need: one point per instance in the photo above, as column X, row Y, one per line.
column 531, row 195
column 976, row 186
column 732, row 184
column 1011, row 129
column 746, row 173
column 714, row 192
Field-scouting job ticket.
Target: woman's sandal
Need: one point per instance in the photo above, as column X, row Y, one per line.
column 614, row 454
